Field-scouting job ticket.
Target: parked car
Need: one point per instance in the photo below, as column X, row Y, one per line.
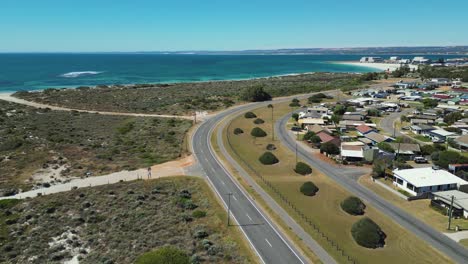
column 420, row 160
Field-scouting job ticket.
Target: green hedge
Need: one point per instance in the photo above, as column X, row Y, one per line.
column 268, row 158
column 353, row 205
column 164, row 255
column 250, row 115
column 258, row 132
column 259, row 121
column 368, row 234
column 238, row 131
column 309, row 188
column 302, row 168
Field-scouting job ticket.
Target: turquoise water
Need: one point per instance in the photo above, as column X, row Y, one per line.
column 40, row 71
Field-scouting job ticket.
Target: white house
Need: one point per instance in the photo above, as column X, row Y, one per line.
column 422, row 180
column 421, row 60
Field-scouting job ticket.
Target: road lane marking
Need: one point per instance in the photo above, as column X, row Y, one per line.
column 222, row 182
column 234, row 197
column 248, row 217
column 268, row 242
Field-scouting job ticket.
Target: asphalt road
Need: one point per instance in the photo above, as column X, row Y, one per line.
column 436, row 239
column 263, row 236
column 387, row 122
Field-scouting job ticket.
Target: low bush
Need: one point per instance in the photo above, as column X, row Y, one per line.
column 309, row 188
column 238, row 131
column 268, row 158
column 271, row 147
column 259, row 121
column 294, row 104
column 302, row 168
column 368, row 234
column 198, row 214
column 164, row 255
column 258, row 132
column 250, row 115
column 353, row 206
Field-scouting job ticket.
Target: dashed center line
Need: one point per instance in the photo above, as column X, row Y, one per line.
column 248, row 217
column 234, row 197
column 268, row 242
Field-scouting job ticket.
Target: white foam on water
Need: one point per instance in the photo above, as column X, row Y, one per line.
column 79, row 74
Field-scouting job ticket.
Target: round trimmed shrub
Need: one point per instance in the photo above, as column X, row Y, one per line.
column 309, row 188
column 258, row 132
column 259, row 121
column 271, row 147
column 368, row 234
column 164, row 255
column 268, row 158
column 238, row 131
column 302, row 168
column 353, row 206
column 250, row 115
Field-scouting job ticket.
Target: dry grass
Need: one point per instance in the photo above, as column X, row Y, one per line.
column 401, row 246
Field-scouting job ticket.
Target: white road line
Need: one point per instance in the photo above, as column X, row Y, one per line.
column 234, row 197
column 222, row 182
column 248, row 217
column 268, row 242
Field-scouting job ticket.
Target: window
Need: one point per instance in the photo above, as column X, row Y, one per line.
column 409, row 186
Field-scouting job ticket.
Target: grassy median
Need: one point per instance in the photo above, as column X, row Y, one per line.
column 324, row 208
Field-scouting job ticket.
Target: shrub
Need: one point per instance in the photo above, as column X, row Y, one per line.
column 353, row 205
column 294, row 104
column 427, row 149
column 302, row 168
column 271, row 147
column 250, row 115
column 164, row 255
column 255, row 94
column 268, row 158
column 368, row 234
column 308, row 135
column 198, row 214
column 309, row 188
column 295, row 116
column 238, row 131
column 258, row 132
column 330, row 148
column 259, row 121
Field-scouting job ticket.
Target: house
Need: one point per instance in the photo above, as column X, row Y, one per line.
column 311, row 121
column 405, row 85
column 314, row 128
column 318, row 109
column 462, row 141
column 395, row 58
column 421, row 129
column 422, row 180
column 357, row 151
column 376, row 138
column 364, row 129
column 417, row 121
column 325, row 138
column 371, row 59
column 354, row 116
column 441, row 81
column 420, row 60
column 440, row 134
column 459, row 205
column 406, row 148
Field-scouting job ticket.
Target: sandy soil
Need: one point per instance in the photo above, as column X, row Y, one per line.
column 379, row 66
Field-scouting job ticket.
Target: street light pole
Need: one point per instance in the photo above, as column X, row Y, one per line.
column 450, row 214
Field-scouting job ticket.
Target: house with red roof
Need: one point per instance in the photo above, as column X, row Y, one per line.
column 364, row 129
column 325, row 137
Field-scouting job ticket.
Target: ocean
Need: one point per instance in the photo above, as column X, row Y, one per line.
column 54, row 70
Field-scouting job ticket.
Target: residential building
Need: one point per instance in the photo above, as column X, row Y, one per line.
column 440, row 134
column 421, row 129
column 354, row 116
column 311, row 121
column 364, row 129
column 422, row 180
column 377, row 138
column 420, row 60
column 459, row 205
column 406, row 149
column 325, row 138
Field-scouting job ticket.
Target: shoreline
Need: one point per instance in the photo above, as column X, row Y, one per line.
column 390, row 67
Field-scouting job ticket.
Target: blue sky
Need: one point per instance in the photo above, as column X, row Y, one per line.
column 150, row 25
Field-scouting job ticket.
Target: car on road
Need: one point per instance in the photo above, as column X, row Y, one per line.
column 420, row 160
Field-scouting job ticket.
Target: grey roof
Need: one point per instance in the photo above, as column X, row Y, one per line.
column 376, row 137
column 426, row 127
column 460, row 199
column 405, row 148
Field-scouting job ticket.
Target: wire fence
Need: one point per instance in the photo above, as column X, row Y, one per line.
column 291, row 205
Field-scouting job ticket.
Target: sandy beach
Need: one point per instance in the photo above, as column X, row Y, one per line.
column 378, row 66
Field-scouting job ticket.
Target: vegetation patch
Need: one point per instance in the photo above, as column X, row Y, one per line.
column 268, row 158
column 164, row 255
column 238, row 131
column 309, row 188
column 250, row 115
column 303, row 168
column 368, row 234
column 353, row 206
column 258, row 132
column 259, row 121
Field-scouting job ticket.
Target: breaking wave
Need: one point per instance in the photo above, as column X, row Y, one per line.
column 79, row 74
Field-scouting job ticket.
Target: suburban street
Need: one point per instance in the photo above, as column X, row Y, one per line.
column 436, row 239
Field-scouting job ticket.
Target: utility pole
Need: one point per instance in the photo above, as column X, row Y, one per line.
column 229, row 208
column 272, row 123
column 296, row 152
column 450, row 214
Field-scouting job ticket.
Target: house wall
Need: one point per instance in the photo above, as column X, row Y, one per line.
column 403, row 184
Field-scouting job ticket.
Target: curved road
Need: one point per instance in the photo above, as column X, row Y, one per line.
column 436, row 239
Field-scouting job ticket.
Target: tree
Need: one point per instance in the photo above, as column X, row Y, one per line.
column 450, row 157
column 302, row 168
column 353, row 206
column 430, row 103
column 308, row 135
column 330, row 148
column 378, row 169
column 255, row 94
column 295, row 116
column 164, row 255
column 385, row 147
column 268, row 158
column 309, row 188
column 339, row 110
column 350, row 109
column 368, row 234
column 453, row 117
column 258, row 132
column 427, row 149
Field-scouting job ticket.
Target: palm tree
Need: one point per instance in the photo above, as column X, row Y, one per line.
column 272, row 123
